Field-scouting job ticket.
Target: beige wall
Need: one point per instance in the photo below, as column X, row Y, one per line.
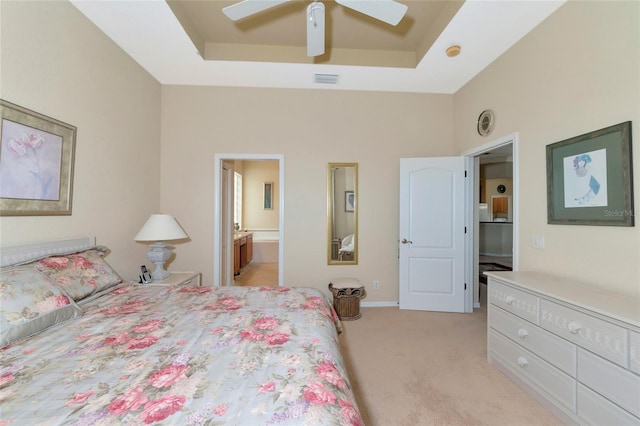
column 577, row 72
column 310, row 128
column 56, row 62
column 254, row 175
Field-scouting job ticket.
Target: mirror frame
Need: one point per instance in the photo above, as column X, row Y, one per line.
column 330, row 211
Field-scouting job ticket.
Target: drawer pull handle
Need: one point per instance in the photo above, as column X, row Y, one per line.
column 574, row 327
column 522, row 362
column 522, row 333
column 510, row 300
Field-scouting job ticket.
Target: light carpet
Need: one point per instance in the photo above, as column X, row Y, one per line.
column 426, row 368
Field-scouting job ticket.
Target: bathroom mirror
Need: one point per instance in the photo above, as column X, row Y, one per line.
column 342, row 214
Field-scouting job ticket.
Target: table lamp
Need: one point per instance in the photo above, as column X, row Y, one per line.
column 160, row 228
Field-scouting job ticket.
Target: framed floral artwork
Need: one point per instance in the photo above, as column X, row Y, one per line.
column 590, row 178
column 36, row 163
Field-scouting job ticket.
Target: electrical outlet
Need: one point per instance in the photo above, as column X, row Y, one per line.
column 376, row 285
column 537, row 241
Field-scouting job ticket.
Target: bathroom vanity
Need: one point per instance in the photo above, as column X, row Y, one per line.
column 242, row 250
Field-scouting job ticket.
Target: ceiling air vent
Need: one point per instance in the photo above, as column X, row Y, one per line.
column 326, row 78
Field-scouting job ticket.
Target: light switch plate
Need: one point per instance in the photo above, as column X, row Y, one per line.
column 537, row 241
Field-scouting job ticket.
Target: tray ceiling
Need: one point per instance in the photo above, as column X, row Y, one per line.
column 192, row 43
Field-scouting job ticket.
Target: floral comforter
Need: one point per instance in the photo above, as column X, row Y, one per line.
column 184, row 356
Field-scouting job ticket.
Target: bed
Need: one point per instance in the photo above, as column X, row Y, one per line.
column 82, row 347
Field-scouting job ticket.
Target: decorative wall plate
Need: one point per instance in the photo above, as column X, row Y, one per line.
column 485, row 122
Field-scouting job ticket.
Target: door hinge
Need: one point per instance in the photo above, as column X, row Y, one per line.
column 465, row 229
column 465, row 173
column 465, row 286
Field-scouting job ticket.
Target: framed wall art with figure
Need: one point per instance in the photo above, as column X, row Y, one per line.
column 349, row 201
column 590, row 178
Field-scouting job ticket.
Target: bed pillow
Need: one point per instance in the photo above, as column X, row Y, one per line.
column 80, row 274
column 30, row 303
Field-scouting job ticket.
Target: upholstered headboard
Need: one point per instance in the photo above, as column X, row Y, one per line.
column 12, row 255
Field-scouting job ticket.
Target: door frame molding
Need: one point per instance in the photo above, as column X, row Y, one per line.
column 217, row 217
column 472, row 197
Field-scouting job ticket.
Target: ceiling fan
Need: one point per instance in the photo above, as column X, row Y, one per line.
column 389, row 11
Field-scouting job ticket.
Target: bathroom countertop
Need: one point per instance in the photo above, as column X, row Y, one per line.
column 240, row 234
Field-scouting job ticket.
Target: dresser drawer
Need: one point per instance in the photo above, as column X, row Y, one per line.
column 548, row 346
column 596, row 410
column 544, row 377
column 606, row 339
column 614, row 383
column 515, row 301
column 634, row 351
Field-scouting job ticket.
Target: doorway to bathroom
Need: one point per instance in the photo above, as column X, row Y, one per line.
column 269, row 238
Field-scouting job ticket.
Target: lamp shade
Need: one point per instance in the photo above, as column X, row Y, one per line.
column 161, row 227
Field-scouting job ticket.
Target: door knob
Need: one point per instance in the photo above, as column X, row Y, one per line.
column 405, row 241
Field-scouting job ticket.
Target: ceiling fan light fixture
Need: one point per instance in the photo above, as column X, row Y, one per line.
column 453, row 51
column 326, row 78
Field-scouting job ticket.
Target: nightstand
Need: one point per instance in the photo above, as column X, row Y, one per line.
column 179, row 278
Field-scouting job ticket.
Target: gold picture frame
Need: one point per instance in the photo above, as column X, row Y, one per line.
column 36, row 163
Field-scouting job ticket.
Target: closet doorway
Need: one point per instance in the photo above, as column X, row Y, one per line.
column 223, row 261
column 495, row 212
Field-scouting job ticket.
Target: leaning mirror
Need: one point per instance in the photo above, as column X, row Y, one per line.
column 342, row 213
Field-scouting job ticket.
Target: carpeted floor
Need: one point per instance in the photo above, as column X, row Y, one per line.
column 412, row 368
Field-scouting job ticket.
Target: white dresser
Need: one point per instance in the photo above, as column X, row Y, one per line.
column 575, row 348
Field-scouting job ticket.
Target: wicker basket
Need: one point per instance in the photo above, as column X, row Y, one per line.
column 346, row 301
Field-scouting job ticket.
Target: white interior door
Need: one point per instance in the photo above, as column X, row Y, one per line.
column 432, row 234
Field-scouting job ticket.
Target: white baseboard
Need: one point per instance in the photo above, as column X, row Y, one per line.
column 393, row 304
column 379, row 304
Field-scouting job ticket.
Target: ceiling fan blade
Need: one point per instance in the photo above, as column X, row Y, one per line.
column 249, row 7
column 388, row 11
column 315, row 29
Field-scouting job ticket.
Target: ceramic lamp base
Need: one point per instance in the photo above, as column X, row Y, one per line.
column 159, row 254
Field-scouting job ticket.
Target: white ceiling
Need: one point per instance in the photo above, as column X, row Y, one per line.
column 152, row 35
